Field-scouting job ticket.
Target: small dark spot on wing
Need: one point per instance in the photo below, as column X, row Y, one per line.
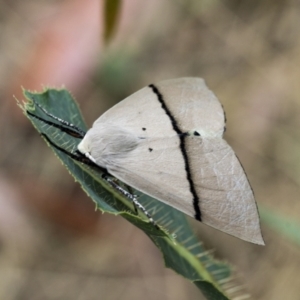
column 144, row 128
column 150, row 149
column 196, row 133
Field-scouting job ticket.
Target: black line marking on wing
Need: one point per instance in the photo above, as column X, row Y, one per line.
column 182, row 137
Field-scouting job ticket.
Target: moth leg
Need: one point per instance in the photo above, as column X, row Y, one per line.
column 131, row 197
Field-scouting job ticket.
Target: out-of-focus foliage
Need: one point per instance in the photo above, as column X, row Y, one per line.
column 111, row 16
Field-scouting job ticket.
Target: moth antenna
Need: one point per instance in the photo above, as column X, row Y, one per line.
column 79, row 130
column 72, row 130
column 77, row 133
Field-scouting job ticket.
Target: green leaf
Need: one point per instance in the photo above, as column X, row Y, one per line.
column 181, row 249
column 111, row 14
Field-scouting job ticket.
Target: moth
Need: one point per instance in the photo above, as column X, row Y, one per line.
column 166, row 140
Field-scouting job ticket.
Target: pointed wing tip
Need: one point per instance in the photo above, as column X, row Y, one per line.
column 254, row 239
column 259, row 241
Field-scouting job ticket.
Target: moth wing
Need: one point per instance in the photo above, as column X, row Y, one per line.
column 159, row 116
column 226, row 200
column 192, row 105
column 226, row 197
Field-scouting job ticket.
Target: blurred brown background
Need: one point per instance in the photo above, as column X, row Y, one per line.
column 53, row 245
